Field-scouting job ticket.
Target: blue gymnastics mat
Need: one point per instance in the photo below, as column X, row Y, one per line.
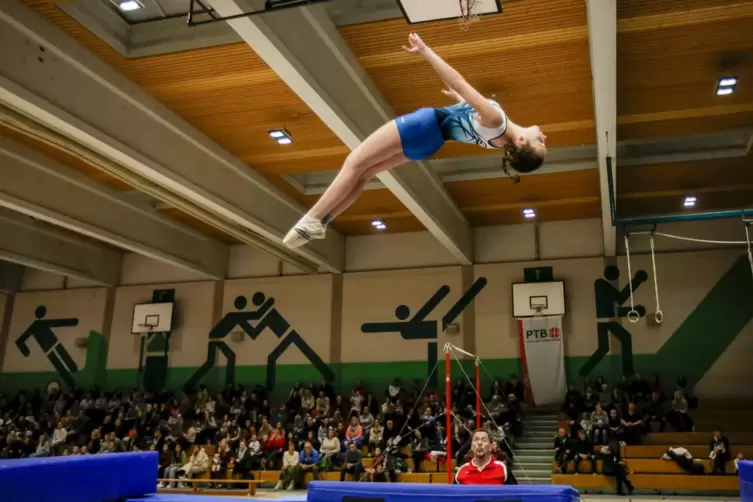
column 167, row 497
column 746, row 480
column 329, row 491
column 90, row 478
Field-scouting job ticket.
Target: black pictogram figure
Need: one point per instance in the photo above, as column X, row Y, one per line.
column 418, row 328
column 42, row 331
column 609, row 304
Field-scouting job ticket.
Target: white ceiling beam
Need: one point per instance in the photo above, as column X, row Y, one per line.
column 36, row 245
column 46, row 190
column 304, row 48
column 49, row 77
column 602, row 37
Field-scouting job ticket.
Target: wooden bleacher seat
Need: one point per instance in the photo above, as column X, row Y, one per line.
column 656, row 451
column 695, row 438
column 205, row 486
column 666, row 483
column 659, row 466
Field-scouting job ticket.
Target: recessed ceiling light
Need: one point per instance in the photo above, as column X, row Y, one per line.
column 129, row 5
column 381, row 227
column 377, row 223
column 726, row 86
column 284, row 141
column 689, row 201
column 276, row 134
column 529, row 213
column 727, row 81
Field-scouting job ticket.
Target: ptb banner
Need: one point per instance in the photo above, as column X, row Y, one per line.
column 542, row 355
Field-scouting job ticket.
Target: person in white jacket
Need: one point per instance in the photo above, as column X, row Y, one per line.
column 289, row 461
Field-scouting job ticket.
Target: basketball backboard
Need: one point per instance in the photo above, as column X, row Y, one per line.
column 538, row 298
column 422, row 11
column 152, row 318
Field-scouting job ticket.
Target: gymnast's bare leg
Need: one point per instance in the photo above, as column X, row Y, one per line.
column 379, row 152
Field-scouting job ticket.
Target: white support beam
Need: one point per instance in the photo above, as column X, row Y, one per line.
column 46, row 190
column 36, row 245
column 49, row 77
column 602, row 37
column 304, row 48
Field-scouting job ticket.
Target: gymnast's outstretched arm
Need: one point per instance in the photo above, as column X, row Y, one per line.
column 490, row 116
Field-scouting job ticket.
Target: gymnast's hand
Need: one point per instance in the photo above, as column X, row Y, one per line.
column 417, row 46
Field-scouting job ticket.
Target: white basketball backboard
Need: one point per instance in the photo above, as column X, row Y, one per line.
column 422, row 11
column 152, row 318
column 538, row 298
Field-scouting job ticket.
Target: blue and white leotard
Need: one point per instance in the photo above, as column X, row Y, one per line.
column 423, row 132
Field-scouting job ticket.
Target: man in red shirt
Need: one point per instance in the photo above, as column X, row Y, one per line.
column 482, row 469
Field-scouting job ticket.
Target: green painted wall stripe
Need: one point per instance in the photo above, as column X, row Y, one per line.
column 711, row 327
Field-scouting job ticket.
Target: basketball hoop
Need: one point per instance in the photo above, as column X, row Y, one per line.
column 470, row 10
column 537, row 309
column 146, row 329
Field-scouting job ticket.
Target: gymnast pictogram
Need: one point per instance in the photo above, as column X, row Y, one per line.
column 418, row 327
column 609, row 304
column 42, row 331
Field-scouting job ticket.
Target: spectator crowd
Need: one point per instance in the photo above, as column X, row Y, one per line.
column 199, row 434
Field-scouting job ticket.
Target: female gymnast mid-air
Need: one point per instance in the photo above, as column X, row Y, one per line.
column 417, row 136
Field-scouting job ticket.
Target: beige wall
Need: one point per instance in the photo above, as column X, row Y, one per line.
column 306, row 302
column 194, row 303
column 87, row 305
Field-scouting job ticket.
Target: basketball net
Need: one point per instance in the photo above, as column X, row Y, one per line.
column 469, row 13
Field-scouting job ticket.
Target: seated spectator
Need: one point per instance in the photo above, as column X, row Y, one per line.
column 562, row 448
column 419, row 449
column 599, row 425
column 43, row 447
column 376, row 471
column 376, row 435
column 582, row 449
column 271, row 452
column 614, row 426
column 246, row 459
column 308, row 461
column 354, row 433
column 653, row 412
column 497, row 452
column 176, row 463
column 289, row 463
column 640, row 389
column 678, row 416
column 322, row 404
column 60, row 436
column 330, row 449
column 590, row 398
column 633, row 424
column 307, row 401
column 366, row 419
column 165, row 459
column 514, row 386
column 197, row 464
column 218, row 468
column 719, row 452
column 353, row 463
column 605, row 398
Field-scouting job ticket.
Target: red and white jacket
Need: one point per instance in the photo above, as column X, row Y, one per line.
column 493, row 472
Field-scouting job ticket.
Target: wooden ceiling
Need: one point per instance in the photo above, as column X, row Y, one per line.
column 534, row 59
